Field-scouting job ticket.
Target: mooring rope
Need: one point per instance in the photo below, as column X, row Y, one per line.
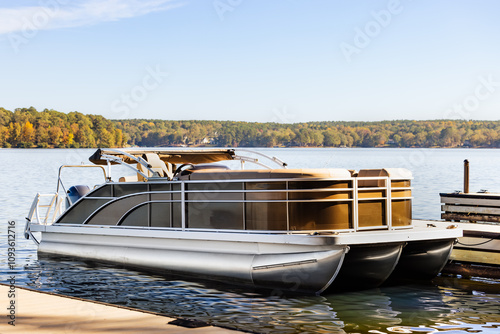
column 479, row 244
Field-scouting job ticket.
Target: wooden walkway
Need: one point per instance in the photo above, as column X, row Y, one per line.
column 40, row 312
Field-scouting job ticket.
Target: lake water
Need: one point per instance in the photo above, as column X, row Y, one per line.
column 445, row 304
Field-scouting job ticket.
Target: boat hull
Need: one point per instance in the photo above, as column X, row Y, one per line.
column 423, row 259
column 291, row 267
column 368, row 265
column 477, row 253
column 305, row 263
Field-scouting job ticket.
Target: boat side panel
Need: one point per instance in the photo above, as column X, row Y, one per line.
column 232, row 266
column 235, row 244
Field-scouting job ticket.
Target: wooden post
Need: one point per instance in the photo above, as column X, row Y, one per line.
column 466, row 176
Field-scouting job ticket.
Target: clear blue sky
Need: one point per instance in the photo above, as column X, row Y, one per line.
column 253, row 60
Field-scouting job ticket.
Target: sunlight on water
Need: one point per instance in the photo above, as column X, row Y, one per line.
column 447, row 304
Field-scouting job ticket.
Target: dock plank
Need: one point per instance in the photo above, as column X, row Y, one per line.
column 473, row 256
column 460, row 216
column 471, row 209
column 41, row 313
column 470, row 201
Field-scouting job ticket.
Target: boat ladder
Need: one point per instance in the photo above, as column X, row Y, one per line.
column 44, row 211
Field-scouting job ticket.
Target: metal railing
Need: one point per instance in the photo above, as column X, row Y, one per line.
column 380, row 193
column 52, row 211
column 46, row 212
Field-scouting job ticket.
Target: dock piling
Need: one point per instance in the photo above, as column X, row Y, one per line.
column 466, row 176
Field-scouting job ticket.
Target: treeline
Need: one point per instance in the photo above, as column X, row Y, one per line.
column 402, row 133
column 27, row 127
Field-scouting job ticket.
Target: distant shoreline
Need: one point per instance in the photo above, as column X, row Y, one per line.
column 29, row 128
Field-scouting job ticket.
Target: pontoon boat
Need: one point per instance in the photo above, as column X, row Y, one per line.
column 290, row 229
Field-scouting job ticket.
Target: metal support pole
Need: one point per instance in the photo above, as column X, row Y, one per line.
column 466, row 176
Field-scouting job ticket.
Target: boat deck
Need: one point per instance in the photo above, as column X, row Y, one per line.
column 41, row 312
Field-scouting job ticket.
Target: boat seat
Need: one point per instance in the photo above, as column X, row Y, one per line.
column 371, row 173
column 156, row 164
column 394, row 173
column 129, row 178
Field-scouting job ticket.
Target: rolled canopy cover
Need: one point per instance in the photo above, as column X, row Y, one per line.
column 193, row 156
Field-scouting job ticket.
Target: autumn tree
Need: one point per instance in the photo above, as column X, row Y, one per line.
column 27, row 136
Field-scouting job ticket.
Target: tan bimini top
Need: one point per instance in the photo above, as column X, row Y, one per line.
column 160, row 162
column 167, row 155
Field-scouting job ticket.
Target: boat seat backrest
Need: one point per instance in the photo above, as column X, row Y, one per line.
column 371, row 173
column 267, row 174
column 392, row 173
column 129, row 178
column 156, row 164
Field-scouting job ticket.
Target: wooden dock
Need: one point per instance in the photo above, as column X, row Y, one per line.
column 471, row 207
column 41, row 312
column 477, row 253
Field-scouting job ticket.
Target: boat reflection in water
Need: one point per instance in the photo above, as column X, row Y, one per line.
column 443, row 303
column 300, row 230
